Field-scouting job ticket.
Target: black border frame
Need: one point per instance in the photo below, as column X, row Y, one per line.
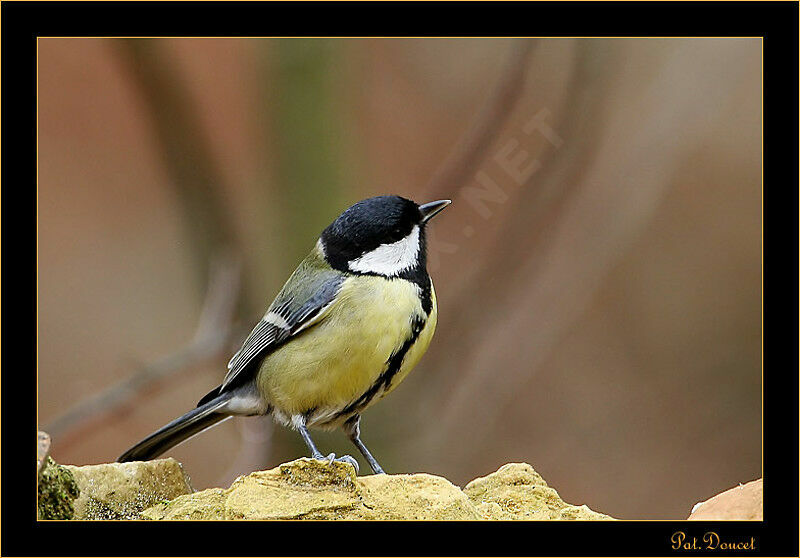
column 22, row 22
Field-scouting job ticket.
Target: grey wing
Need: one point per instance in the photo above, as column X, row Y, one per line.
column 288, row 315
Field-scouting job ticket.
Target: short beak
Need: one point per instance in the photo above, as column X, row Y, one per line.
column 428, row 210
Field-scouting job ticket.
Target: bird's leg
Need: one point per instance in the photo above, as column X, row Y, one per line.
column 353, row 431
column 316, row 454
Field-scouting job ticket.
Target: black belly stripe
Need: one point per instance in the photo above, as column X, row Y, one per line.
column 393, row 366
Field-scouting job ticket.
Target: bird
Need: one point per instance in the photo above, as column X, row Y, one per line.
column 349, row 324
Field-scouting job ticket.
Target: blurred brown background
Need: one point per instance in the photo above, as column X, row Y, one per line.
column 598, row 275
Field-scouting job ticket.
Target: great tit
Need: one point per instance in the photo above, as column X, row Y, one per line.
column 351, row 322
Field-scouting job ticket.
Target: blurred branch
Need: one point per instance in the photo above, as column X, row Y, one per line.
column 185, row 150
column 197, row 180
column 198, row 188
column 211, row 339
column 592, row 204
column 513, row 267
column 580, row 122
column 471, row 148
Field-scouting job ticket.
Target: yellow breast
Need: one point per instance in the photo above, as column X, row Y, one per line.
column 336, row 366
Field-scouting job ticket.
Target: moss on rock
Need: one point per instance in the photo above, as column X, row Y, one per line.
column 57, row 491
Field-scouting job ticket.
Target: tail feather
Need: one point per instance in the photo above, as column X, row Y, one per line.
column 179, row 430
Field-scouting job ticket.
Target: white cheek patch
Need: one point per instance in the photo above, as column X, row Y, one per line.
column 390, row 259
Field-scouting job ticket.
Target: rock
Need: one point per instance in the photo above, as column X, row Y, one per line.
column 56, row 491
column 516, row 491
column 42, row 451
column 419, row 496
column 311, row 489
column 122, row 490
column 205, row 504
column 744, row 503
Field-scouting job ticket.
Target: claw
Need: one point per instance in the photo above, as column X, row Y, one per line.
column 350, row 460
column 331, row 457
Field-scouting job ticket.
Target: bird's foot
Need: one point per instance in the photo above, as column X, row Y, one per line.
column 343, row 459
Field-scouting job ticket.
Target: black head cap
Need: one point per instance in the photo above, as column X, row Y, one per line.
column 384, row 235
column 367, row 225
